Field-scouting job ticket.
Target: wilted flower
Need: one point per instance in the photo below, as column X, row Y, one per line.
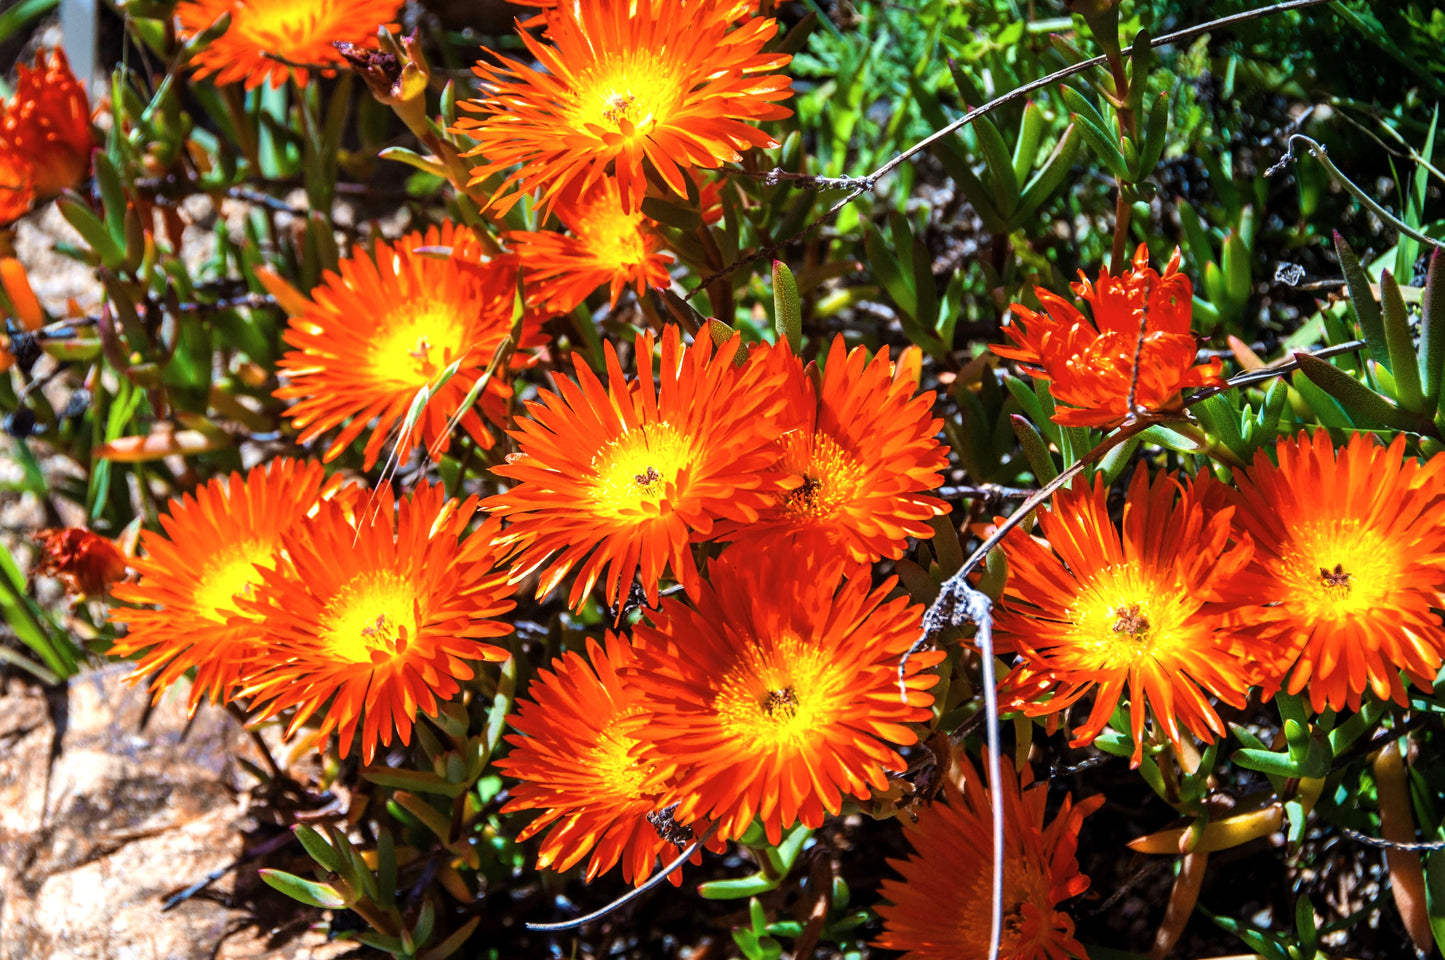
column 1090, row 363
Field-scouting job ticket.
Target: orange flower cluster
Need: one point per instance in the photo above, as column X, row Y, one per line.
column 45, row 136
column 1318, row 574
column 771, row 691
column 1096, row 366
column 291, row 595
column 620, row 480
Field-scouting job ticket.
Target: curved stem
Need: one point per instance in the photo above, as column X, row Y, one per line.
column 634, row 893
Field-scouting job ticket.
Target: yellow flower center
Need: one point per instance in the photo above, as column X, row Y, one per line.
column 628, row 94
column 612, row 763
column 639, row 473
column 230, row 572
column 1338, row 570
column 417, row 341
column 1125, row 614
column 1023, row 882
column 831, row 476
column 613, row 237
column 778, row 698
column 288, row 20
column 371, row 619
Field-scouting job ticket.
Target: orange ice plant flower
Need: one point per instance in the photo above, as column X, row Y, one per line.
column 375, row 616
column 605, row 246
column 860, row 451
column 941, row 905
column 269, row 40
column 1349, row 562
column 1090, row 363
column 1140, row 610
column 577, row 757
column 46, row 123
column 213, row 547
column 387, row 327
column 619, row 480
column 774, row 689
column 667, row 83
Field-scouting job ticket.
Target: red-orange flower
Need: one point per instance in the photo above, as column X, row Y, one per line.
column 269, row 40
column 941, row 907
column 85, row 562
column 1141, row 610
column 620, row 479
column 606, row 245
column 214, row 545
column 774, row 690
column 1090, row 364
column 386, row 328
column 1349, row 565
column 578, row 763
column 47, row 124
column 667, row 82
column 860, row 451
column 377, row 619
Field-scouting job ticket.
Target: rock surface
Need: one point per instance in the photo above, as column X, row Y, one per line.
column 108, row 807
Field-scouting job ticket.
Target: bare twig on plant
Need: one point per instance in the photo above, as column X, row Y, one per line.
column 1317, row 150
column 870, row 181
column 635, row 892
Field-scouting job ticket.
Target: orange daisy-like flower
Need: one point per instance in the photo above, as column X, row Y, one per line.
column 941, row 906
column 214, row 546
column 85, row 562
column 269, row 40
column 47, row 124
column 607, row 245
column 861, row 451
column 1143, row 609
column 1090, row 364
column 578, row 763
column 373, row 337
column 775, row 693
column 1349, row 560
column 669, row 82
column 621, row 479
column 378, row 618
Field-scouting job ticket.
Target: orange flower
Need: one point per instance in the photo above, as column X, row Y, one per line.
column 269, row 40
column 85, row 562
column 579, row 764
column 1143, row 610
column 623, row 478
column 1091, row 364
column 384, row 329
column 214, row 545
column 860, row 452
column 941, row 906
column 1349, row 562
column 663, row 81
column 47, row 124
column 774, row 692
column 378, row 618
column 607, row 245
